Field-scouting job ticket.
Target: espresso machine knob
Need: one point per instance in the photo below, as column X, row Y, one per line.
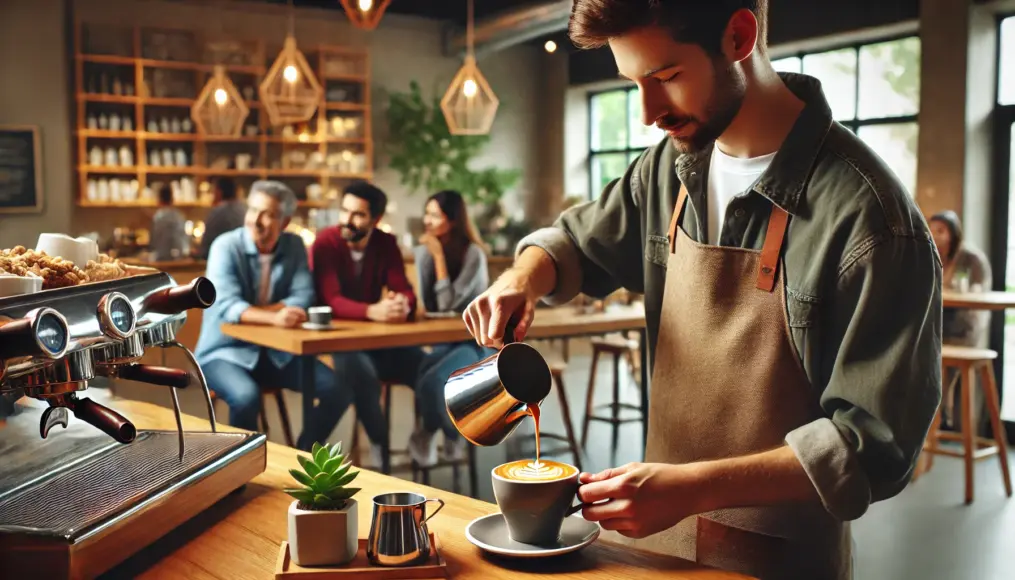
column 199, row 293
column 43, row 332
column 116, row 314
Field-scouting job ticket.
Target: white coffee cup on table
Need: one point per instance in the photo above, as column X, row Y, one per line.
column 319, row 315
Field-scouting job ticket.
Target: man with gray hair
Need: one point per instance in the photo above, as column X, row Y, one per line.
column 262, row 277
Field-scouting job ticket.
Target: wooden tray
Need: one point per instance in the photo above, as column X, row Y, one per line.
column 361, row 569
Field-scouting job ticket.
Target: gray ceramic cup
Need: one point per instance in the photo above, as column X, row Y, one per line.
column 535, row 510
column 320, row 315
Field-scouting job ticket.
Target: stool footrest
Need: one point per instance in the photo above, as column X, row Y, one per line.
column 979, row 454
column 611, row 420
column 957, row 437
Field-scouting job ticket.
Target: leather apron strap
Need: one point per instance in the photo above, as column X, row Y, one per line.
column 778, row 224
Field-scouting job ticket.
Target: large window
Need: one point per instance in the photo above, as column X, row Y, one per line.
column 618, row 135
column 1004, row 220
column 874, row 89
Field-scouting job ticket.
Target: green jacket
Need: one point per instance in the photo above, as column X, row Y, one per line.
column 863, row 286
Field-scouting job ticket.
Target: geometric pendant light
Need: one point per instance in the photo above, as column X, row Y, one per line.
column 219, row 109
column 365, row 14
column 469, row 105
column 290, row 92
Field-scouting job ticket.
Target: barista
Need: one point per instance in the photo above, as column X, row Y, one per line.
column 792, row 296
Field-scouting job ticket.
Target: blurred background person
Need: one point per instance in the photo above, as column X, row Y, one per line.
column 227, row 215
column 262, row 276
column 169, row 232
column 452, row 271
column 359, row 272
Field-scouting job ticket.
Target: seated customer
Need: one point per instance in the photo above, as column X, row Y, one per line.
column 262, row 277
column 227, row 215
column 452, row 270
column 965, row 269
column 353, row 264
column 169, row 233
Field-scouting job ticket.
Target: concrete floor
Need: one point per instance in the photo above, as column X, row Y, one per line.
column 925, row 533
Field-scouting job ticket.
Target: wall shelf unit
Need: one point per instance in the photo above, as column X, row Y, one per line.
column 133, row 95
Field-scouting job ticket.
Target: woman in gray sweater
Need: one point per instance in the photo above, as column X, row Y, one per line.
column 452, row 270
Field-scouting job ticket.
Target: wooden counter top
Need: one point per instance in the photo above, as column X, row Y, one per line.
column 239, row 537
column 348, row 335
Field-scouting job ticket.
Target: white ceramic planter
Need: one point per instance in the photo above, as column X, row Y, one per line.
column 323, row 538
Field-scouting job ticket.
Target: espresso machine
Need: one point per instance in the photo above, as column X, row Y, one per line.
column 81, row 488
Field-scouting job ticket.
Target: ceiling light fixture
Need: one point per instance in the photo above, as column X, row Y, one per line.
column 290, row 92
column 365, row 14
column 469, row 105
column 219, row 109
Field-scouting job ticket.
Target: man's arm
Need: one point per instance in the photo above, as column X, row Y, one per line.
column 394, row 274
column 329, row 288
column 884, row 376
column 595, row 247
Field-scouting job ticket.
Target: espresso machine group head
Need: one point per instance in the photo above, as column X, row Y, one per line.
column 52, row 344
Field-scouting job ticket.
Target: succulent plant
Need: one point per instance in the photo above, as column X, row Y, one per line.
column 324, row 479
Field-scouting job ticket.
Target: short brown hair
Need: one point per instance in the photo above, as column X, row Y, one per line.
column 702, row 22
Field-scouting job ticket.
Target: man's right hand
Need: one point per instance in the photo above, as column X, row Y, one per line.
column 290, row 317
column 392, row 308
column 510, row 298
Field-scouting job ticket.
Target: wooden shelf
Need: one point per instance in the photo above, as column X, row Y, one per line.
column 345, row 106
column 168, row 101
column 102, row 134
column 134, row 204
column 203, row 149
column 100, row 98
column 107, row 59
column 169, row 136
column 110, row 170
column 314, row 204
column 174, row 170
column 234, row 172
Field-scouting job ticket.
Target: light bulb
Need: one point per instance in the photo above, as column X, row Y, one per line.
column 470, row 88
column 550, row 46
column 221, row 97
column 290, row 74
column 365, row 5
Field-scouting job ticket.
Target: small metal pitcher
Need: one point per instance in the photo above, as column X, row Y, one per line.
column 398, row 532
column 488, row 400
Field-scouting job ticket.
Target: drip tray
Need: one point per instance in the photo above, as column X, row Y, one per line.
column 99, row 507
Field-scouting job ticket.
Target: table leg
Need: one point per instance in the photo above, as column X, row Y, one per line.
column 307, row 389
column 644, row 387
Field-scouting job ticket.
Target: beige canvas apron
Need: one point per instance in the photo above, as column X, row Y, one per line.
column 727, row 382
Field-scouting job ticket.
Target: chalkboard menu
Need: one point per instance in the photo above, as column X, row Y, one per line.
column 20, row 175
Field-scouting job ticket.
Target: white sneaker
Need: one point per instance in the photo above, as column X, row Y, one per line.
column 375, row 457
column 455, row 449
column 423, row 447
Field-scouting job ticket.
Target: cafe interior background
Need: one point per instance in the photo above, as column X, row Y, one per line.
column 106, row 87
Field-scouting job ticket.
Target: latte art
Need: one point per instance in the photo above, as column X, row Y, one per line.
column 527, row 470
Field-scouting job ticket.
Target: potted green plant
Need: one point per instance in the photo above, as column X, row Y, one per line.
column 323, row 519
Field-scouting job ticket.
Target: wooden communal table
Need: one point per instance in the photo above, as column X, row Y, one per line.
column 356, row 335
column 238, row 538
column 979, row 300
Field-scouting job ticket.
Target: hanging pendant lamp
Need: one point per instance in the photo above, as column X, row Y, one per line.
column 290, row 92
column 365, row 14
column 469, row 105
column 219, row 110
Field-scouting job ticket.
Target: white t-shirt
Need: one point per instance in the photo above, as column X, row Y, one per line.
column 729, row 177
column 357, row 258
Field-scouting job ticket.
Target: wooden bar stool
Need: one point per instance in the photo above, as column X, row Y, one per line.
column 283, row 412
column 968, row 361
column 618, row 347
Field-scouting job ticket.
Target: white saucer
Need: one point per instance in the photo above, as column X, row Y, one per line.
column 312, row 326
column 490, row 533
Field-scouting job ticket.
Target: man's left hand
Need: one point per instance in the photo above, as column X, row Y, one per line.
column 643, row 498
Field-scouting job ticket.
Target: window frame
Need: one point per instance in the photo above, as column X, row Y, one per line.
column 627, row 89
column 856, row 123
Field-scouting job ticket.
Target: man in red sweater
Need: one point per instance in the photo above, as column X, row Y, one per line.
column 359, row 272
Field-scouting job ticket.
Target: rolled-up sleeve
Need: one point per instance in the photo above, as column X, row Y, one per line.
column 596, row 246
column 884, row 377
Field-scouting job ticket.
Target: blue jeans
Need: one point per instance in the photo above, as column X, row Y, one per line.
column 434, row 372
column 240, row 389
column 363, row 373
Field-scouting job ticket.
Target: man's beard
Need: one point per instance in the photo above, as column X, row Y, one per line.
column 723, row 106
column 353, row 234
